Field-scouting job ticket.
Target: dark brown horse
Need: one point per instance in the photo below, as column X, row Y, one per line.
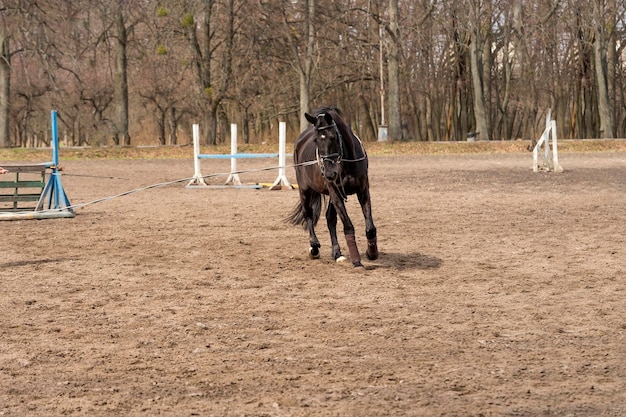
column 330, row 160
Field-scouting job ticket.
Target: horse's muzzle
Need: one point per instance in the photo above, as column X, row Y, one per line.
column 330, row 169
column 330, row 175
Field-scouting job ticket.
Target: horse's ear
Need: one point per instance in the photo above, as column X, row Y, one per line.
column 310, row 118
column 329, row 119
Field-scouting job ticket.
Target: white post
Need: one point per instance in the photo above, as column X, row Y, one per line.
column 198, row 179
column 282, row 180
column 535, row 159
column 546, row 143
column 233, row 178
column 536, row 149
column 555, row 153
column 382, row 128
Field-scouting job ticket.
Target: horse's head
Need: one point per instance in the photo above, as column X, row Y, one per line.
column 329, row 144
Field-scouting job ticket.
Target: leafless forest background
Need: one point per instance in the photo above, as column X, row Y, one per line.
column 142, row 71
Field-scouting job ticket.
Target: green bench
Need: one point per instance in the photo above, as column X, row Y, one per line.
column 21, row 187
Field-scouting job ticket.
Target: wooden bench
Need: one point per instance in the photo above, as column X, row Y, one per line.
column 22, row 184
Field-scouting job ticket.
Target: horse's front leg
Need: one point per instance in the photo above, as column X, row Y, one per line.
column 348, row 230
column 331, row 221
column 370, row 229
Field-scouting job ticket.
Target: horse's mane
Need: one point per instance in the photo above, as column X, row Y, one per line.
column 327, row 109
column 337, row 116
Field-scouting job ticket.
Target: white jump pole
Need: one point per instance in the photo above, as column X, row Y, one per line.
column 282, row 159
column 233, row 178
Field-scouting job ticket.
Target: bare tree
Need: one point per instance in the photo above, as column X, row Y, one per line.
column 211, row 48
column 603, row 23
column 14, row 24
column 306, row 60
column 492, row 66
column 393, row 71
column 478, row 42
column 121, row 135
column 5, row 90
column 292, row 41
column 160, row 80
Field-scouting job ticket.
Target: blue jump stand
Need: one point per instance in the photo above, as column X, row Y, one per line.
column 53, row 196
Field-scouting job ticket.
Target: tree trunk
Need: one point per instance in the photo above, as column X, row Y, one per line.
column 393, row 74
column 210, row 121
column 476, row 64
column 604, row 108
column 307, row 63
column 173, row 126
column 122, row 136
column 161, row 126
column 5, row 89
column 586, row 98
column 600, row 58
column 612, row 61
column 304, row 100
column 246, row 125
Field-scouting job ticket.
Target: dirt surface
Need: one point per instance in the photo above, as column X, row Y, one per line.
column 498, row 292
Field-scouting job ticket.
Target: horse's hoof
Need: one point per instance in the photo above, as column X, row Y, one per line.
column 358, row 265
column 341, row 259
column 371, row 256
column 314, row 253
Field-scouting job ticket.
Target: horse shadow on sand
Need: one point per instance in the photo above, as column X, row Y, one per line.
column 406, row 261
column 30, row 262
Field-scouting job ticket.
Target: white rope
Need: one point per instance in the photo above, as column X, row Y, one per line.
column 165, row 184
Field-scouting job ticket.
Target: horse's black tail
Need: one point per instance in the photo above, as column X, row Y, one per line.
column 298, row 215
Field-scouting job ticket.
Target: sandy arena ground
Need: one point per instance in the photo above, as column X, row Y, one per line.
column 498, row 292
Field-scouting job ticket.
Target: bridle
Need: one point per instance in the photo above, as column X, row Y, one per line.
column 337, row 157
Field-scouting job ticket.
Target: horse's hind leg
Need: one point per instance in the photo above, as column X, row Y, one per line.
column 314, row 250
column 331, row 221
column 370, row 229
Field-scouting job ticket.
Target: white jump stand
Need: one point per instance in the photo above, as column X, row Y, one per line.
column 197, row 180
column 233, row 180
column 550, row 154
column 282, row 181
